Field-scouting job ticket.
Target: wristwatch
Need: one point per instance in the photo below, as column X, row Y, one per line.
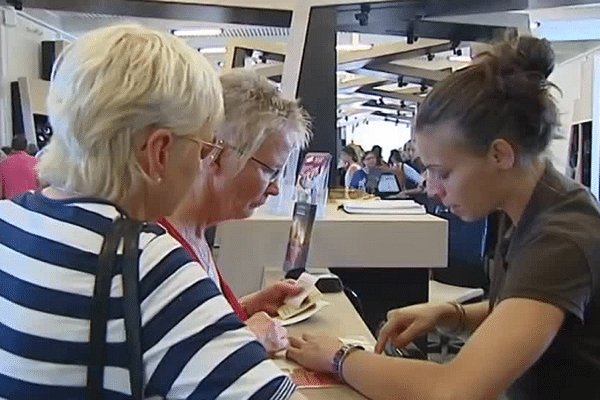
column 340, row 356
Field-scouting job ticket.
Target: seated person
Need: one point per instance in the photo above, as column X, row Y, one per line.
column 349, row 164
column 537, row 337
column 411, row 157
column 241, row 171
column 360, row 178
column 408, row 177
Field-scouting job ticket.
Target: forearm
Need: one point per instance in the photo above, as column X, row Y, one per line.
column 475, row 314
column 379, row 377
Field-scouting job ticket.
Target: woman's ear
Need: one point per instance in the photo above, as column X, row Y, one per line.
column 155, row 152
column 502, row 154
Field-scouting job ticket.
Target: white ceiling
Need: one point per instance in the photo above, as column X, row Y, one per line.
column 76, row 24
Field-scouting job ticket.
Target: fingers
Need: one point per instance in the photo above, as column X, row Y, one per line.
column 295, row 342
column 381, row 341
column 384, row 335
column 292, row 288
column 391, row 313
column 404, row 338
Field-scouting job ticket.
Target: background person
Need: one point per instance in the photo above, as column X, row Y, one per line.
column 360, row 177
column 412, row 157
column 132, row 152
column 17, row 172
column 482, row 132
column 349, row 164
column 238, row 176
column 408, row 177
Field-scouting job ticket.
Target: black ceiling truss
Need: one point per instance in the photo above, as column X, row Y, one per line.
column 404, row 74
column 373, row 91
column 168, row 10
column 406, row 21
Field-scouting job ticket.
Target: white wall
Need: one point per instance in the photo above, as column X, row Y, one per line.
column 386, row 134
column 20, row 55
column 574, row 78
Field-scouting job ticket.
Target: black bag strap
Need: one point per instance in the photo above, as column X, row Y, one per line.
column 128, row 230
column 99, row 312
column 131, row 307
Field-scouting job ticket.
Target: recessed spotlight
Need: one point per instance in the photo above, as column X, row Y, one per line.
column 213, row 50
column 197, row 32
column 353, row 47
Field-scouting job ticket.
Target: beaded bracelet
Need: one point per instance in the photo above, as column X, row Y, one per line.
column 340, row 356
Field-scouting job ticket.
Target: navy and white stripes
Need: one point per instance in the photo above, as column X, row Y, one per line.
column 194, row 345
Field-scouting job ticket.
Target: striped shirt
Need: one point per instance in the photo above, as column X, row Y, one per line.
column 194, row 346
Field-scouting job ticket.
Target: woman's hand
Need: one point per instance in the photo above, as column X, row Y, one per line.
column 270, row 298
column 406, row 324
column 269, row 332
column 314, row 352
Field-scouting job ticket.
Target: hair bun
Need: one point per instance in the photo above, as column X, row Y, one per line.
column 535, row 55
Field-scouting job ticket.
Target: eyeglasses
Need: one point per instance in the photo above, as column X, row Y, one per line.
column 219, row 146
column 272, row 172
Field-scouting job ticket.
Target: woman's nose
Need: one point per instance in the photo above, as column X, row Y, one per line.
column 273, row 188
column 435, row 188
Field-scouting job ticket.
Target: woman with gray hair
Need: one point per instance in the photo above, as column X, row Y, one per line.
column 238, row 176
column 131, row 109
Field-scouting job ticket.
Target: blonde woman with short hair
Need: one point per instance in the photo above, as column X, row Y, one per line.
column 240, row 173
column 131, row 109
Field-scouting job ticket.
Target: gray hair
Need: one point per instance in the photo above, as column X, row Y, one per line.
column 112, row 85
column 254, row 109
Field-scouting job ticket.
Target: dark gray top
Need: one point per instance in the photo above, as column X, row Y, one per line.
column 553, row 255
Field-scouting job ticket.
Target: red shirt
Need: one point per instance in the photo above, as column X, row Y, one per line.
column 17, row 174
column 238, row 308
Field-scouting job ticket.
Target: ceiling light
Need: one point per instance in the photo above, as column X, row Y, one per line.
column 466, row 59
column 213, row 50
column 353, row 47
column 197, row 32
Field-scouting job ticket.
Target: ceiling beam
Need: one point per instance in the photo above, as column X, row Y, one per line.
column 389, row 52
column 368, row 89
column 427, row 76
column 351, row 85
column 434, row 8
column 166, row 9
column 409, row 19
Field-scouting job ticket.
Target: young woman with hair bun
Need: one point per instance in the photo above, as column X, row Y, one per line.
column 482, row 133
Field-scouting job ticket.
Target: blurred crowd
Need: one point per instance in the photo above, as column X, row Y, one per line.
column 359, row 168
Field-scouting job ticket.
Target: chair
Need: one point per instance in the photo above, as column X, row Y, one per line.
column 465, row 279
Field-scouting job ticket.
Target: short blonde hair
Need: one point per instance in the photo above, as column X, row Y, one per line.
column 254, row 109
column 112, row 85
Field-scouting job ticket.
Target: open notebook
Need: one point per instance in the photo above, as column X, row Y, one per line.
column 384, row 207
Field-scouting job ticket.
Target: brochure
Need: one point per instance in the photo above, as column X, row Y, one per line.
column 298, row 243
column 313, row 180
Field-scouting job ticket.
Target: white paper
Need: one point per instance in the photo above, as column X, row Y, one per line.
column 384, row 207
column 307, row 281
column 304, row 315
